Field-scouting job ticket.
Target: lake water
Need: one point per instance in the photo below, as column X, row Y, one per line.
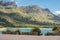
column 43, row 31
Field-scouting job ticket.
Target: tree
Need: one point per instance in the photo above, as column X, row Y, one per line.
column 36, row 30
column 56, row 29
column 18, row 31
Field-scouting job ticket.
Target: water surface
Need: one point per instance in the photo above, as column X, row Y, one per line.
column 43, row 30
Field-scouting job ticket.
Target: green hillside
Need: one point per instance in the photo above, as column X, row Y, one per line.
column 27, row 16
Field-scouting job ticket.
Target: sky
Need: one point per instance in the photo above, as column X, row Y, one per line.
column 52, row 5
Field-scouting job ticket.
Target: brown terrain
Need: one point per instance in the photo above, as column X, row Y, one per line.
column 27, row 37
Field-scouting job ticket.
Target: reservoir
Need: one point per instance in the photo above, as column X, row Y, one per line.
column 43, row 30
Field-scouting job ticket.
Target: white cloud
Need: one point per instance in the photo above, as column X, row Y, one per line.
column 57, row 12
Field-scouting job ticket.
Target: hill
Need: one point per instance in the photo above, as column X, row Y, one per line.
column 28, row 16
column 8, row 5
column 58, row 15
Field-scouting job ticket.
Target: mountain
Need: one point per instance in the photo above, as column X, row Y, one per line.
column 58, row 15
column 8, row 4
column 28, row 16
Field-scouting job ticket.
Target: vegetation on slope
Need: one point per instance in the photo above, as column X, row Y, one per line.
column 28, row 16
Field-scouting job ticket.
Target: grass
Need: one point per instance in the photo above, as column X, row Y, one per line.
column 1, row 26
column 19, row 14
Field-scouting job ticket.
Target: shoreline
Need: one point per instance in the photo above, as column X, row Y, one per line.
column 27, row 28
column 40, row 28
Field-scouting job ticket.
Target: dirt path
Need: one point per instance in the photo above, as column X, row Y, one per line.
column 28, row 37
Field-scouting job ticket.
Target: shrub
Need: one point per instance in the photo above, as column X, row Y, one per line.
column 8, row 30
column 17, row 31
column 48, row 33
column 56, row 29
column 36, row 30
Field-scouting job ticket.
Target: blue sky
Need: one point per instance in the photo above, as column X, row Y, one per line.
column 53, row 5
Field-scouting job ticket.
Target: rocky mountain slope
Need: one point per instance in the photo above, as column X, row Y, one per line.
column 28, row 16
column 58, row 15
column 8, row 4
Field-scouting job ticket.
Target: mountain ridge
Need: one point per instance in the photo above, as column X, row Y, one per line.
column 28, row 16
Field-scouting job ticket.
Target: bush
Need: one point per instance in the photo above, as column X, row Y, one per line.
column 54, row 28
column 8, row 31
column 48, row 33
column 17, row 31
column 36, row 30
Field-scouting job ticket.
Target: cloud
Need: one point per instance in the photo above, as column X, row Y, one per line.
column 57, row 12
